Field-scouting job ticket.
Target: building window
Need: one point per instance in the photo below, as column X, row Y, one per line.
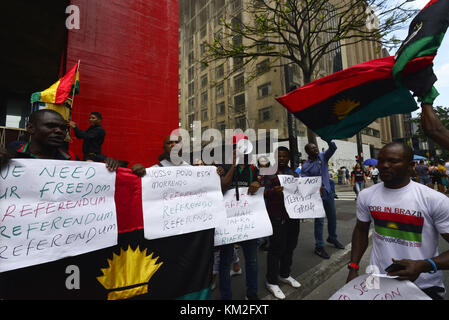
column 266, row 114
column 204, row 99
column 191, row 58
column 204, row 115
column 240, row 123
column 263, row 66
column 191, row 88
column 239, row 83
column 203, row 81
column 264, row 90
column 221, row 108
column 221, row 126
column 239, row 103
column 238, row 63
column 191, row 105
column 219, row 71
column 219, row 90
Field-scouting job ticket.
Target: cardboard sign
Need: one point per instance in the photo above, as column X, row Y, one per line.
column 371, row 287
column 302, row 197
column 53, row 209
column 178, row 200
column 246, row 219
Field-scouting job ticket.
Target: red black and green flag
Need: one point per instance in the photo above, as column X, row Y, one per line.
column 178, row 267
column 426, row 32
column 340, row 105
column 399, row 226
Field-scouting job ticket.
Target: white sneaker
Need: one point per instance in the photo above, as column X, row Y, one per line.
column 235, row 273
column 290, row 281
column 275, row 291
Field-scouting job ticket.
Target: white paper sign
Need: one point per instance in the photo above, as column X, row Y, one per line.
column 371, row 287
column 302, row 197
column 178, row 200
column 246, row 219
column 54, row 209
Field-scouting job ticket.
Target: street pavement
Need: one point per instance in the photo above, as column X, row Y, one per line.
column 309, row 269
column 319, row 278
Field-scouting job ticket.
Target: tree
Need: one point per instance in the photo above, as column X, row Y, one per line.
column 301, row 33
column 442, row 114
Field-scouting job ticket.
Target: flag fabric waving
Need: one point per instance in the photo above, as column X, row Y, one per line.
column 59, row 96
column 178, row 267
column 340, row 105
column 426, row 32
column 61, row 89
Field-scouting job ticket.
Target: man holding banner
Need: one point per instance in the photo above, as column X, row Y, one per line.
column 241, row 175
column 317, row 165
column 285, row 230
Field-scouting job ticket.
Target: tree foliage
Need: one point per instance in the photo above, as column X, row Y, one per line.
column 303, row 32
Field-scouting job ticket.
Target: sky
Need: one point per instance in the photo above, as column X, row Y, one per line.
column 441, row 63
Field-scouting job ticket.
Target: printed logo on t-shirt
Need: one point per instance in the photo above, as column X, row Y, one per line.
column 402, row 226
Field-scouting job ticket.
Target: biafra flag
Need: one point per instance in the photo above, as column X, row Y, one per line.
column 340, row 105
column 178, row 267
column 426, row 32
column 399, row 226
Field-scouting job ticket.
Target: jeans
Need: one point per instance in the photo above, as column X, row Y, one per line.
column 359, row 186
column 251, row 268
column 331, row 215
column 282, row 244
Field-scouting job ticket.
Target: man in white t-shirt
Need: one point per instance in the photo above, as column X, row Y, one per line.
column 446, row 165
column 408, row 218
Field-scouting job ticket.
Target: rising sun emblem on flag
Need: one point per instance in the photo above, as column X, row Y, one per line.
column 344, row 107
column 128, row 273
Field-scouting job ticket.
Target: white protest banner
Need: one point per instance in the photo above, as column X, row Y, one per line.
column 53, row 209
column 371, row 287
column 246, row 219
column 302, row 197
column 183, row 199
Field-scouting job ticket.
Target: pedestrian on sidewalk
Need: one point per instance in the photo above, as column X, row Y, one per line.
column 358, row 179
column 285, row 230
column 317, row 165
column 407, row 217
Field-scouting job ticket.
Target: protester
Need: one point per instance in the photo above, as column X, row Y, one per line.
column 285, row 230
column 422, row 171
column 241, row 175
column 432, row 126
column 47, row 129
column 407, row 219
column 93, row 137
column 317, row 165
column 358, row 179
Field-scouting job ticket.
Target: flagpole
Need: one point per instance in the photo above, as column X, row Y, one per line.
column 68, row 138
column 73, row 91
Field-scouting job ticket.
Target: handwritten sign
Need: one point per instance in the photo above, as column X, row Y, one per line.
column 368, row 287
column 246, row 219
column 302, row 197
column 54, row 209
column 178, row 200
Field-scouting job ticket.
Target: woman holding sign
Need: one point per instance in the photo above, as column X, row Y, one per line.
column 285, row 230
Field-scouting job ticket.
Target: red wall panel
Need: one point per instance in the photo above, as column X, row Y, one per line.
column 128, row 72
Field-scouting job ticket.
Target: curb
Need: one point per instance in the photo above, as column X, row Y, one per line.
column 314, row 277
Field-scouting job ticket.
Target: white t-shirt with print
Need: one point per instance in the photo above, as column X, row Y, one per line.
column 407, row 224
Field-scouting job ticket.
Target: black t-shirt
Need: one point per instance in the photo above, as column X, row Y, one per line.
column 242, row 177
column 358, row 174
